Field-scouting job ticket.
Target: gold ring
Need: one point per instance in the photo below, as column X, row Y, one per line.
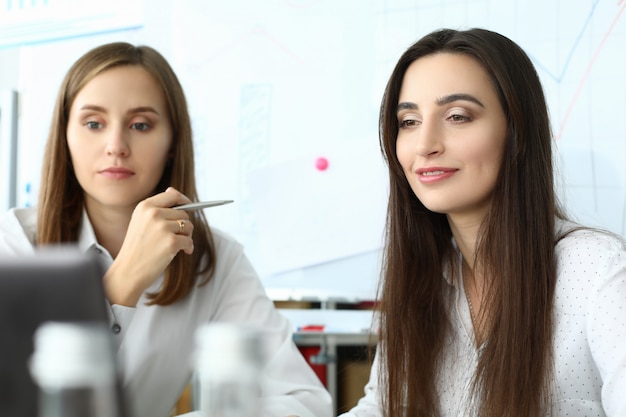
column 181, row 226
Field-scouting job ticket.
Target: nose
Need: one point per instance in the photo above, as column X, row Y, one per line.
column 428, row 140
column 117, row 143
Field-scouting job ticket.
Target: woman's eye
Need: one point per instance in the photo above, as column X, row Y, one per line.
column 407, row 123
column 459, row 118
column 140, row 126
column 93, row 125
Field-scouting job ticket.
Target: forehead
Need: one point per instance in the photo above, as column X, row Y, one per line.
column 437, row 75
column 127, row 81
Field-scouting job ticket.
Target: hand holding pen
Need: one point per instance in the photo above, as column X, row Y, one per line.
column 159, row 229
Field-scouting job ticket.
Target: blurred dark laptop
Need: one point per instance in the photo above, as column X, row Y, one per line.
column 55, row 285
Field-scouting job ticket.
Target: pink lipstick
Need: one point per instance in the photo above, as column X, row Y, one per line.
column 432, row 175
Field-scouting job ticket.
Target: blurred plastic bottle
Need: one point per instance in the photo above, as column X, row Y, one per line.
column 228, row 363
column 74, row 366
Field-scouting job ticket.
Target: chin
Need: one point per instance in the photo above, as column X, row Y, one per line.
column 435, row 206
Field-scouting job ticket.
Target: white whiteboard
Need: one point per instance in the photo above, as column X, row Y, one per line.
column 274, row 85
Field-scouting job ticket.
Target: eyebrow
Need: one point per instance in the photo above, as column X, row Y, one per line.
column 141, row 109
column 458, row 97
column 406, row 105
column 442, row 101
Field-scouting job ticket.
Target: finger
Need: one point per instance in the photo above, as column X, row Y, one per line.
column 180, row 197
column 189, row 249
column 185, row 242
column 169, row 198
column 182, row 226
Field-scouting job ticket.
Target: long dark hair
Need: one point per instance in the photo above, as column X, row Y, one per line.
column 61, row 199
column 516, row 246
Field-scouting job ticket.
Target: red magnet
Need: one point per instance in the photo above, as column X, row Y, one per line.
column 321, row 163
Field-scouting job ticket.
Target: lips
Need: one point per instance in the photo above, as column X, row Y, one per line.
column 434, row 174
column 117, row 172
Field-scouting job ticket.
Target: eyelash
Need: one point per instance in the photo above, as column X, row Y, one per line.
column 459, row 118
column 454, row 118
column 146, row 126
column 404, row 124
column 139, row 126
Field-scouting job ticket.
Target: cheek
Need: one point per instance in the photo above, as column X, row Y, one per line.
column 76, row 144
column 493, row 155
column 75, row 148
column 156, row 154
column 404, row 154
column 485, row 149
column 489, row 161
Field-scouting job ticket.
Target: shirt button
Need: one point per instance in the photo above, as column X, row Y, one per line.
column 98, row 250
column 116, row 328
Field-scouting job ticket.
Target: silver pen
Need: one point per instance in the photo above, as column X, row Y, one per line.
column 202, row 204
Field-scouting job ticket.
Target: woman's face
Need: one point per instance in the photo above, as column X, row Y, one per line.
column 451, row 134
column 119, row 137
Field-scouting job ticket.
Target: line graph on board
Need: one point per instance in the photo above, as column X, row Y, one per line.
column 603, row 202
column 603, row 190
column 558, row 76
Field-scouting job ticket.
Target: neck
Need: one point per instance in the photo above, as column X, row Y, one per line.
column 110, row 226
column 465, row 234
column 465, row 230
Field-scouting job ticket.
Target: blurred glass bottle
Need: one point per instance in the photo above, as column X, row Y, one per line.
column 228, row 362
column 74, row 366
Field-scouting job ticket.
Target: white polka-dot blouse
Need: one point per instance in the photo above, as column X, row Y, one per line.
column 589, row 336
